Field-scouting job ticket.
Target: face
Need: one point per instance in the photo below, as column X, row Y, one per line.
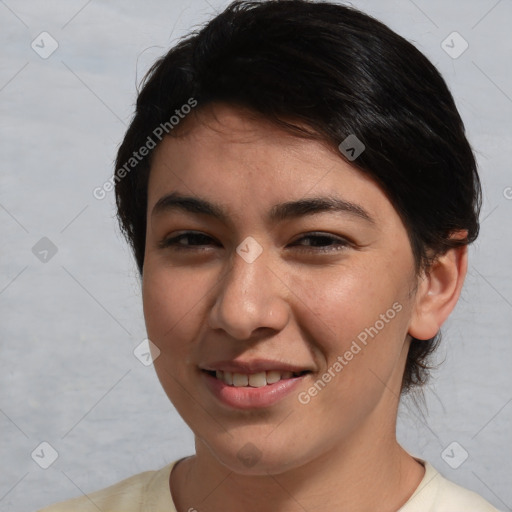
column 277, row 286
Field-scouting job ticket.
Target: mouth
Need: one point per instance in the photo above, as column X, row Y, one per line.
column 254, row 380
column 251, row 390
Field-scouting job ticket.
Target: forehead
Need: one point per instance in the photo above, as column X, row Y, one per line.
column 247, row 162
column 222, row 132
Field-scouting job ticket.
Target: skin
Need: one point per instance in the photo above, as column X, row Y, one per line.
column 297, row 303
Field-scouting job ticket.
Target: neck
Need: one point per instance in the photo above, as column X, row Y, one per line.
column 366, row 473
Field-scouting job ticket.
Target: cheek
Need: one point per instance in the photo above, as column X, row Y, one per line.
column 358, row 315
column 343, row 302
column 171, row 300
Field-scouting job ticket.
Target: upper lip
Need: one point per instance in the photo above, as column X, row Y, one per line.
column 253, row 366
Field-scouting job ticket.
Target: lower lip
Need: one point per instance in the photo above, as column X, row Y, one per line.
column 248, row 397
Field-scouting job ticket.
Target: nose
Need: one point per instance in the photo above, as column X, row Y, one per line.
column 250, row 299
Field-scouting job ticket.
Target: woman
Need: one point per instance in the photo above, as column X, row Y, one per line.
column 299, row 195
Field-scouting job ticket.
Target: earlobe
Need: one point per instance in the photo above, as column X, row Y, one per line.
column 438, row 292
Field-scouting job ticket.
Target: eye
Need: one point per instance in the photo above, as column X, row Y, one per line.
column 321, row 242
column 187, row 240
column 312, row 242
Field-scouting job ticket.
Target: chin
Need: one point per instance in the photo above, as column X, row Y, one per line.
column 256, row 457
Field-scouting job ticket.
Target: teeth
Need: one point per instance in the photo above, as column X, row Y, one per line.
column 257, row 380
column 254, row 380
column 273, row 376
column 239, row 379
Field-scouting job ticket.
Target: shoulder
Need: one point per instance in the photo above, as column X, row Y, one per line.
column 437, row 494
column 128, row 495
column 454, row 497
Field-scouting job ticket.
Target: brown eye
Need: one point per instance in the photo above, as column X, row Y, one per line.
column 187, row 240
column 321, row 242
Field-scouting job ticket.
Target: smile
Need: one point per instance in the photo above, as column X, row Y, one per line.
column 251, row 390
column 254, row 380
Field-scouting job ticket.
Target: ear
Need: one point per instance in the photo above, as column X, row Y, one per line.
column 438, row 292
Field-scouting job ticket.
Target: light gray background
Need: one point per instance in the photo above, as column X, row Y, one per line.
column 69, row 326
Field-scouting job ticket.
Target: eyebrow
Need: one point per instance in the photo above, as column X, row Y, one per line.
column 278, row 213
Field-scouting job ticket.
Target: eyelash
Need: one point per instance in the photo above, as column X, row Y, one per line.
column 339, row 243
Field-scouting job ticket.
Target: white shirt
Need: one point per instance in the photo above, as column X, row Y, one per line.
column 149, row 492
